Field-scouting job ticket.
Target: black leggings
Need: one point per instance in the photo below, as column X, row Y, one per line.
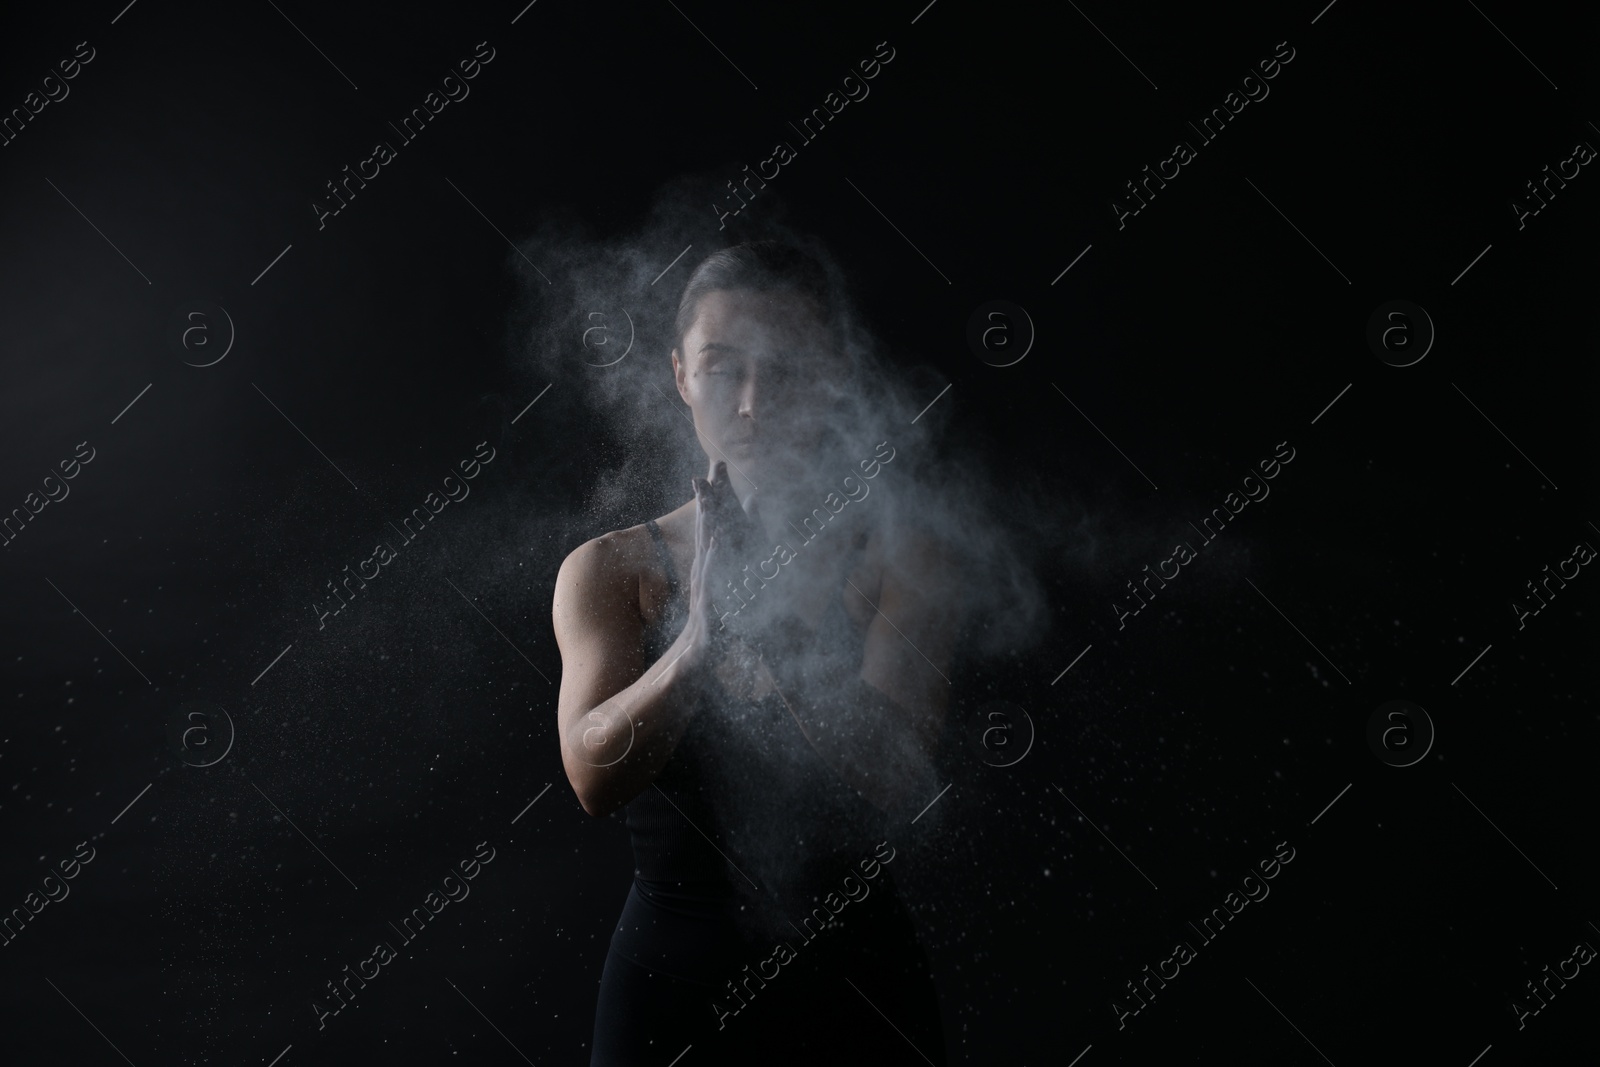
column 856, row 992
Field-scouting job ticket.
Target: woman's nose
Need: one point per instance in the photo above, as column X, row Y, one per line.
column 747, row 397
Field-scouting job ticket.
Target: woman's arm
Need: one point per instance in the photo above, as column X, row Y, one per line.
column 617, row 729
column 619, row 718
column 876, row 721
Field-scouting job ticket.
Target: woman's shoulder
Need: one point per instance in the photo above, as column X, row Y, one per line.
column 915, row 544
column 612, row 554
column 625, row 553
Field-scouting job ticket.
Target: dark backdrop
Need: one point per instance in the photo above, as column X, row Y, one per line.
column 371, row 754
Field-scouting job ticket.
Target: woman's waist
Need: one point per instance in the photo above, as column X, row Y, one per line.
column 701, row 897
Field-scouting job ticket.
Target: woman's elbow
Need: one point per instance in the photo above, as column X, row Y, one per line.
column 590, row 788
column 595, row 805
column 589, row 798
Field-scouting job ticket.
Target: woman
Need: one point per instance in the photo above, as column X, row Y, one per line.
column 755, row 710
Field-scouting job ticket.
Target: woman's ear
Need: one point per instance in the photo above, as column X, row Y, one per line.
column 679, row 372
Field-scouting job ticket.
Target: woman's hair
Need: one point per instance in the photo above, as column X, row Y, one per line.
column 757, row 265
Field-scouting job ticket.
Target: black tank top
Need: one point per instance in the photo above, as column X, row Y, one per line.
column 744, row 810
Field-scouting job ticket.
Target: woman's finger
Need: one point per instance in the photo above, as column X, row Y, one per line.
column 703, row 518
column 729, row 513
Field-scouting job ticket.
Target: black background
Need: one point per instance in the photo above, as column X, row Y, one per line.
column 1196, row 338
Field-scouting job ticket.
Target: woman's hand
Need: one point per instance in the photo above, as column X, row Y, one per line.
column 720, row 528
column 734, row 530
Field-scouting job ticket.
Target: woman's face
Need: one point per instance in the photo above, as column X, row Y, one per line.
column 756, row 369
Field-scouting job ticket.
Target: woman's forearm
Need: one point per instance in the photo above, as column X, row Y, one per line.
column 618, row 747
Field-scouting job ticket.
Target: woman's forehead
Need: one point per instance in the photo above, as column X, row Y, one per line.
column 756, row 311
